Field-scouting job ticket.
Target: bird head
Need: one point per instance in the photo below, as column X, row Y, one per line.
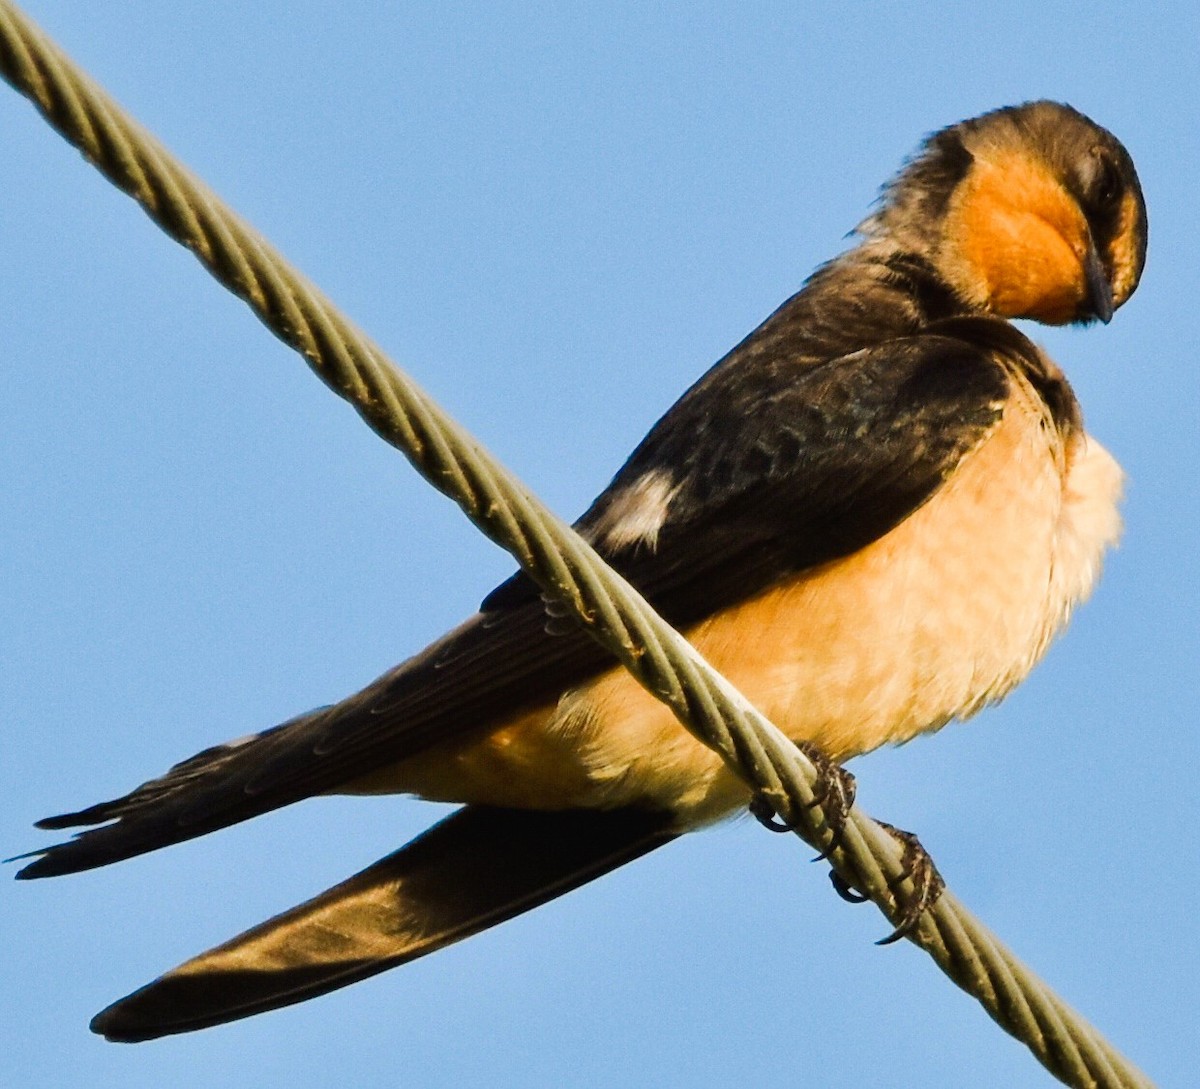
column 1031, row 211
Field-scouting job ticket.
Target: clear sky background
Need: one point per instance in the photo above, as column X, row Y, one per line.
column 555, row 216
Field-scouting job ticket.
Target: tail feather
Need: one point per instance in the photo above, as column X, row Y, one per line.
column 471, row 679
column 146, row 796
column 473, row 870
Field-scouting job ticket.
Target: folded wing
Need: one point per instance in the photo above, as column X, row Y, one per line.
column 759, row 472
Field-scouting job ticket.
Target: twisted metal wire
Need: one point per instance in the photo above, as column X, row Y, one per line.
column 867, row 858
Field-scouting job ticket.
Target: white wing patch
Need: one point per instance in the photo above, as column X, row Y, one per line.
column 636, row 514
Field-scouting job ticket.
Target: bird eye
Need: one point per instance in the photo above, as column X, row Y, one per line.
column 1106, row 185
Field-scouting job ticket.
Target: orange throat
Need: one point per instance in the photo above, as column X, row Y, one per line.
column 1017, row 243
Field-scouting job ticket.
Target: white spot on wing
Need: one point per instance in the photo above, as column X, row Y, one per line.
column 637, row 513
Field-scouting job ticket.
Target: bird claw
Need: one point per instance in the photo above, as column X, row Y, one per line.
column 845, row 890
column 927, row 884
column 761, row 811
column 833, row 791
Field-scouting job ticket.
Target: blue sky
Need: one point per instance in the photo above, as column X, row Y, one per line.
column 555, row 217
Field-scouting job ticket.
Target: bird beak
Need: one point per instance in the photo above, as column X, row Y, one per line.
column 1099, row 299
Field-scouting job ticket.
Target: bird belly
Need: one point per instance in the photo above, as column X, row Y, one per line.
column 943, row 615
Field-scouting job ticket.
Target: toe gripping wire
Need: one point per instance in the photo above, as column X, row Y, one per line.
column 864, row 856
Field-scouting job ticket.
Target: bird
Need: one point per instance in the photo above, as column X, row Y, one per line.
column 872, row 516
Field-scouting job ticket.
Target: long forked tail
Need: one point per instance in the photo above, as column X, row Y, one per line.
column 478, row 867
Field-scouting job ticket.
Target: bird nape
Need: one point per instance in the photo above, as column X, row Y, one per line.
column 872, row 516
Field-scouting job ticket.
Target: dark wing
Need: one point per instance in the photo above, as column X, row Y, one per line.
column 772, row 473
column 773, row 467
column 475, row 869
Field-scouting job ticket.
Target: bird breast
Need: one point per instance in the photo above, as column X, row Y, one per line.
column 941, row 616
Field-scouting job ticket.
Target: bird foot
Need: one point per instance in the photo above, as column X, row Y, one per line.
column 927, row 884
column 833, row 791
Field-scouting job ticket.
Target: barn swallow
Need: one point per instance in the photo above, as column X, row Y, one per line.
column 872, row 516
